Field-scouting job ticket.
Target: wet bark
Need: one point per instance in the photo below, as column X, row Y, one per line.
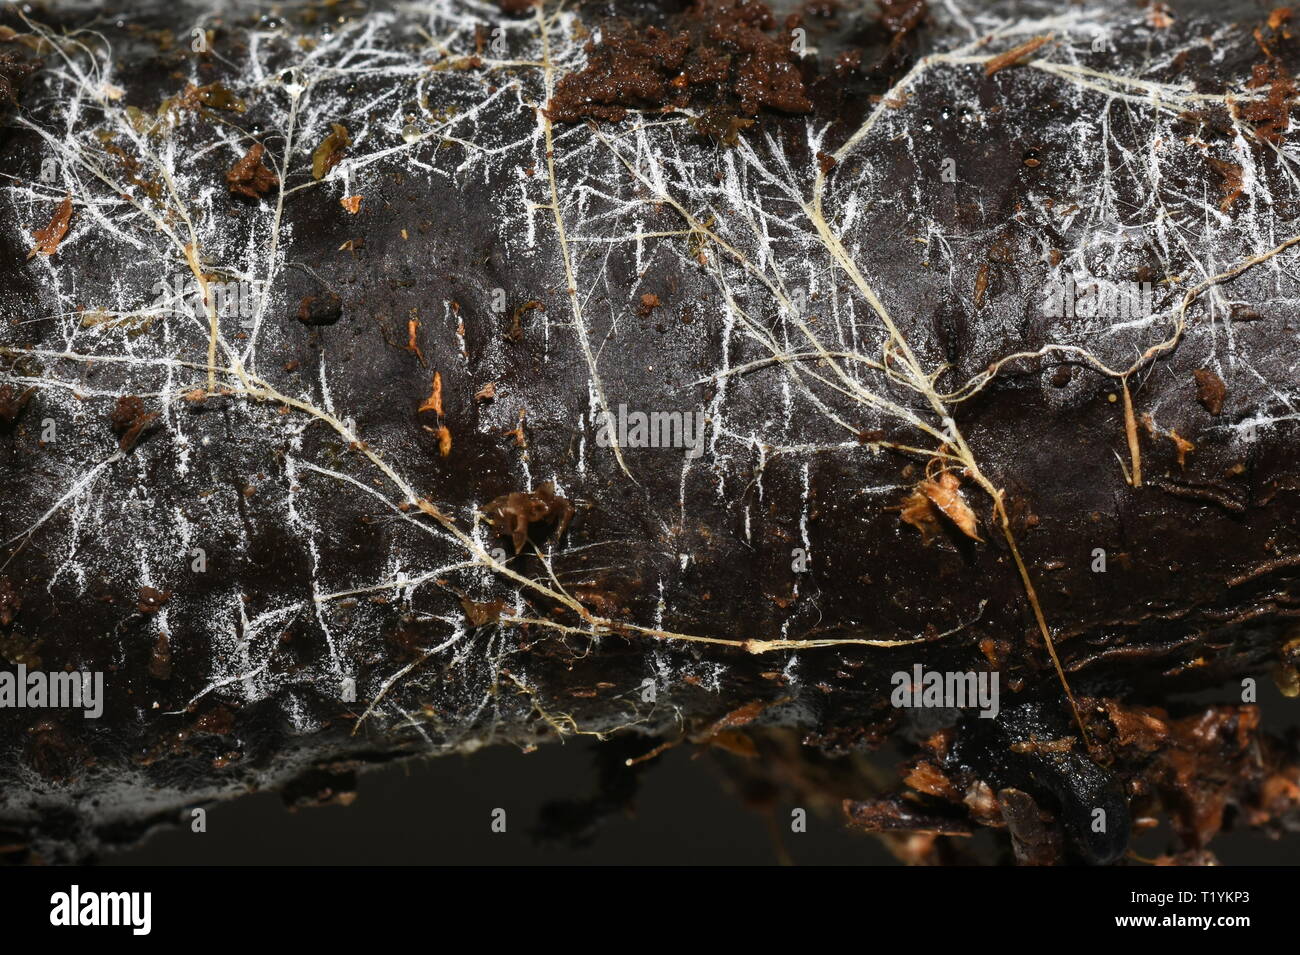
column 297, row 548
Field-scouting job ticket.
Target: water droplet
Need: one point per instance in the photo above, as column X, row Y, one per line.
column 410, row 132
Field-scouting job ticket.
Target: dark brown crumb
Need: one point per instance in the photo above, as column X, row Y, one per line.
column 512, row 514
column 825, row 9
column 160, row 661
column 250, row 177
column 1210, row 390
column 720, row 125
column 12, row 403
column 516, row 331
column 218, row 721
column 629, row 68
column 850, row 61
column 152, row 600
column 319, row 310
column 130, row 420
column 1231, row 186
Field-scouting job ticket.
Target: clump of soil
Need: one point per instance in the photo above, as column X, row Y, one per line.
column 720, row 57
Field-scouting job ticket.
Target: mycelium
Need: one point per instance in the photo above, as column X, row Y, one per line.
column 359, row 508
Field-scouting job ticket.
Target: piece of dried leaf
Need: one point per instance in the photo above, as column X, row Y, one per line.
column 938, row 495
column 351, row 203
column 481, row 613
column 518, row 432
column 330, row 152
column 434, row 401
column 413, row 339
column 216, row 96
column 444, row 441
column 917, row 510
column 981, row 285
column 32, row 41
column 944, row 492
column 741, row 716
column 928, row 778
column 48, row 238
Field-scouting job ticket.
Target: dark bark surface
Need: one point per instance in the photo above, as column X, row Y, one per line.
column 371, row 515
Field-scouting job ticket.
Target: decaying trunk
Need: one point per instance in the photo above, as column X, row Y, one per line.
column 378, row 382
